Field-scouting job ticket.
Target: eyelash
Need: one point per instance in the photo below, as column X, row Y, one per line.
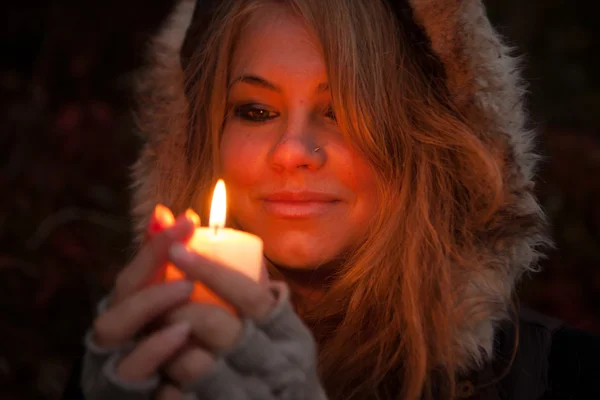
column 330, row 113
column 246, row 111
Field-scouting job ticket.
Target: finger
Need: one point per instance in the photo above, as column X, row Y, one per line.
column 212, row 326
column 192, row 216
column 161, row 218
column 152, row 352
column 169, row 392
column 189, row 365
column 151, row 260
column 123, row 321
column 249, row 297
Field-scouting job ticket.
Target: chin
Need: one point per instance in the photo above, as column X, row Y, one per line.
column 295, row 253
column 293, row 260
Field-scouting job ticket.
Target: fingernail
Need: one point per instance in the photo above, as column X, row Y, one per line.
column 179, row 330
column 179, row 252
column 163, row 214
column 160, row 219
column 181, row 287
column 192, row 216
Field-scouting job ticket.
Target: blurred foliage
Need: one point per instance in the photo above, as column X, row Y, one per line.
column 67, row 143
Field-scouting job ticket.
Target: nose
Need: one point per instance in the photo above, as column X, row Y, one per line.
column 297, row 148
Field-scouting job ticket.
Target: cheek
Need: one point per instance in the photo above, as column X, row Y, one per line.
column 361, row 178
column 240, row 159
column 365, row 178
column 358, row 175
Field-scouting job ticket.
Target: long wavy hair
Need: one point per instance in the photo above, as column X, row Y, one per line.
column 387, row 325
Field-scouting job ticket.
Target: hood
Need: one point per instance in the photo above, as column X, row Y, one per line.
column 481, row 76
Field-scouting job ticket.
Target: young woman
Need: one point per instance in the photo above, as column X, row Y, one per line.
column 379, row 149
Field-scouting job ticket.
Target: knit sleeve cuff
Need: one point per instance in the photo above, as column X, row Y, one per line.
column 99, row 379
column 274, row 358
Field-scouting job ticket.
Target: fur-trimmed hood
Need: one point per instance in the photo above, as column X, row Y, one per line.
column 483, row 80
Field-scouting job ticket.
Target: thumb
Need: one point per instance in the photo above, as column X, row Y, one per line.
column 162, row 218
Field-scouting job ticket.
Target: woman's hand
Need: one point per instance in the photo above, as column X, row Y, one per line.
column 114, row 360
column 264, row 353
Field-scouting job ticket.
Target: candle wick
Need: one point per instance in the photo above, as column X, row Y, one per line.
column 216, row 227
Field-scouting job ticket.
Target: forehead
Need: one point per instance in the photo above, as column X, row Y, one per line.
column 276, row 40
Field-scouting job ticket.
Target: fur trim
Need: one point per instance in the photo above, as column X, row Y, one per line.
column 484, row 82
column 482, row 78
column 162, row 119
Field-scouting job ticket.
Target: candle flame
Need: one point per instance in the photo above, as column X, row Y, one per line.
column 218, row 207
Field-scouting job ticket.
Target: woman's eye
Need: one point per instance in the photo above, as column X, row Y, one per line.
column 330, row 113
column 254, row 113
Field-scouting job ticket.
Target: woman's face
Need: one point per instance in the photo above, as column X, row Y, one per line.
column 292, row 178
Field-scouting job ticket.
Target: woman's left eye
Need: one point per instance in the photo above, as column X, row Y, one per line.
column 254, row 113
column 330, row 113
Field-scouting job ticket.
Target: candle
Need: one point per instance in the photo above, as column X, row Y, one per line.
column 236, row 249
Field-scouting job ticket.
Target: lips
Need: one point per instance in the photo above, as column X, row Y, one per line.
column 299, row 205
column 300, row 197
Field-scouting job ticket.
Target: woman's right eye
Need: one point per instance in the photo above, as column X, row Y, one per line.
column 254, row 113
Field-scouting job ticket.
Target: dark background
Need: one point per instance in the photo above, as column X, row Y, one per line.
column 66, row 142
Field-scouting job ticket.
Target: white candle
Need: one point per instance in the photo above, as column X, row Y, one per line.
column 236, row 249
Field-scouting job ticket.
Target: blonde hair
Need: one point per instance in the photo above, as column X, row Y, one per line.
column 391, row 316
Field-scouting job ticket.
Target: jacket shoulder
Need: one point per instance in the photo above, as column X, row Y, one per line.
column 562, row 362
column 574, row 365
column 537, row 357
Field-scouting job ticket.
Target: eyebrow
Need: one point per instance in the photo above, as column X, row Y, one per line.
column 265, row 84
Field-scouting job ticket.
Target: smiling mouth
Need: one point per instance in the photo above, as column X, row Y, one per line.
column 298, row 209
column 299, row 204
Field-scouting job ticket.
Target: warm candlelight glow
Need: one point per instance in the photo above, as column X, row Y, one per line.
column 234, row 249
column 218, row 207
